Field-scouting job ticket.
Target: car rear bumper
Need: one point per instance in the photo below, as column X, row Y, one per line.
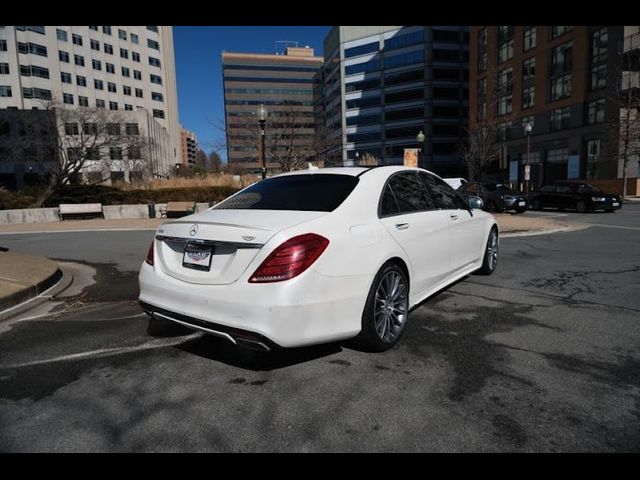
column 309, row 309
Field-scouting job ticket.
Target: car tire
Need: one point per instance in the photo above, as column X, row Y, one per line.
column 490, row 258
column 521, row 210
column 380, row 331
column 581, row 207
column 536, row 204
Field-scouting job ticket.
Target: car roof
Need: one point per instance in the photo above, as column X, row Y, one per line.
column 353, row 171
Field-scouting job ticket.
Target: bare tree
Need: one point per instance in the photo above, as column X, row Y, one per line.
column 69, row 141
column 201, row 159
column 481, row 147
column 215, row 162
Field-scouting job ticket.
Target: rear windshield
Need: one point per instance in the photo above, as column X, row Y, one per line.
column 313, row 192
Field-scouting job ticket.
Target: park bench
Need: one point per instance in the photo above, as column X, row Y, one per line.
column 178, row 209
column 80, row 210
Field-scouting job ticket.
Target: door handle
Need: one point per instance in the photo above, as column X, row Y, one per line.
column 402, row 226
column 453, row 216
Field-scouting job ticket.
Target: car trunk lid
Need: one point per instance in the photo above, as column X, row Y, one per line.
column 232, row 239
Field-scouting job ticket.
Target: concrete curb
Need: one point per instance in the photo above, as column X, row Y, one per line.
column 569, row 228
column 48, row 288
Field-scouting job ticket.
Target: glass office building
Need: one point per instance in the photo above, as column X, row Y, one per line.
column 383, row 85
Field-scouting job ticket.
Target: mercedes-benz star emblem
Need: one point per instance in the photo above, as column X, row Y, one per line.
column 194, row 230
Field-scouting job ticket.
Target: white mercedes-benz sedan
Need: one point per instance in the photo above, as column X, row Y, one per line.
column 317, row 256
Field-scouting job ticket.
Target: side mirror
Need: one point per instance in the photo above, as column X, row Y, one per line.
column 475, row 202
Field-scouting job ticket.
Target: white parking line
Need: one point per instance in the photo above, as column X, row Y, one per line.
column 614, row 226
column 105, row 352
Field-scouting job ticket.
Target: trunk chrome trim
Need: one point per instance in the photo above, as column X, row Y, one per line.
column 198, row 327
column 211, row 243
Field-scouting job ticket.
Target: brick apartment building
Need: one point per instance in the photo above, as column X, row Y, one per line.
column 559, row 79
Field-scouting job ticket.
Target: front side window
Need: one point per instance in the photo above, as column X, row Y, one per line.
column 409, row 194
column 444, row 197
column 316, row 193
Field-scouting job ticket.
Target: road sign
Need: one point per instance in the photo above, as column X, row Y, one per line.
column 527, row 172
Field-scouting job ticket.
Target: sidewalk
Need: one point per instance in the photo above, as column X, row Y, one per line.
column 23, row 277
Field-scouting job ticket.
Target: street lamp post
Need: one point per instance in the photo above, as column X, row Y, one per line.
column 357, row 159
column 262, row 118
column 527, row 172
column 420, row 139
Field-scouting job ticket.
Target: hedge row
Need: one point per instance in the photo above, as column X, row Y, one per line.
column 114, row 196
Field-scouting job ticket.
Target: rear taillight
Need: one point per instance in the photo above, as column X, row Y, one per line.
column 149, row 258
column 290, row 259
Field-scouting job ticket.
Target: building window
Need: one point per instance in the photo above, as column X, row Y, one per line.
column 135, row 39
column 110, row 67
column 32, row 28
column 83, row 101
column 133, row 153
column 97, row 64
column 529, row 69
column 505, row 91
column 33, row 48
column 595, row 111
column 3, row 45
column 63, row 56
column 126, row 90
column 4, row 69
column 482, row 62
column 115, row 153
column 527, row 121
column 135, row 56
column 77, row 39
column 529, row 38
column 92, row 153
column 132, row 129
column 599, row 46
column 98, row 84
column 139, row 92
column 559, row 31
column 158, row 113
column 106, row 30
column 124, row 53
column 67, row 98
column 126, row 72
column 593, row 155
column 528, row 97
column 108, row 49
column 71, row 128
column 95, row 44
column 94, row 27
column 122, row 34
column 111, row 87
column 155, row 79
column 561, row 65
column 100, row 103
column 560, row 118
column 113, row 129
column 154, row 62
column 505, row 43
column 128, row 107
column 65, row 77
column 153, row 29
column 137, row 74
column 81, row 81
column 362, row 49
column 79, row 60
column 5, row 91
column 113, row 105
column 156, row 96
column 39, row 93
column 557, row 155
column 153, row 44
column 62, row 35
column 33, row 71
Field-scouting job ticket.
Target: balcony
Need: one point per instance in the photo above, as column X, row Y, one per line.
column 632, row 42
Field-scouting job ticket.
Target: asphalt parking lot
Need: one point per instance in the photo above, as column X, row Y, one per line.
column 544, row 355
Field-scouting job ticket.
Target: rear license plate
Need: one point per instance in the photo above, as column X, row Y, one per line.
column 197, row 257
column 521, row 204
column 616, row 204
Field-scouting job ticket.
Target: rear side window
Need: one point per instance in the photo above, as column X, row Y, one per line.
column 408, row 192
column 443, row 195
column 320, row 192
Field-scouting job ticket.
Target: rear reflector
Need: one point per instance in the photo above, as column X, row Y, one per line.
column 290, row 259
column 149, row 258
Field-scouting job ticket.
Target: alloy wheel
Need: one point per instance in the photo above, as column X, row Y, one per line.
column 391, row 306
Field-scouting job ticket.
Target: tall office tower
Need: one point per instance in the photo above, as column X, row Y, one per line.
column 383, row 85
column 561, row 81
column 130, row 69
column 284, row 85
column 629, row 119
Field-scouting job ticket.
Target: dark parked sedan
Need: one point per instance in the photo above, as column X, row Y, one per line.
column 497, row 197
column 579, row 196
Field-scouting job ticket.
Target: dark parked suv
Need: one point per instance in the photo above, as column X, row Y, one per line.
column 497, row 197
column 579, row 196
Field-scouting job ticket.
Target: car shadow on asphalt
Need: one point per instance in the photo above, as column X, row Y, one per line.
column 221, row 350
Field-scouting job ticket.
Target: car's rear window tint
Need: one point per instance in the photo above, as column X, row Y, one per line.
column 318, row 192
